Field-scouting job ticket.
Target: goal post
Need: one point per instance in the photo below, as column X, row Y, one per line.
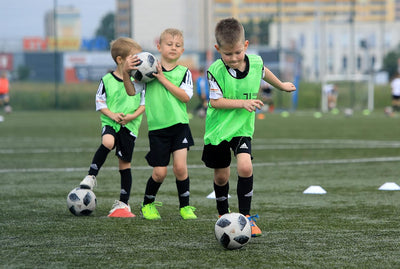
column 358, row 89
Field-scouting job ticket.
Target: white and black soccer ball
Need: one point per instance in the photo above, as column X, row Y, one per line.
column 81, row 202
column 146, row 68
column 233, row 230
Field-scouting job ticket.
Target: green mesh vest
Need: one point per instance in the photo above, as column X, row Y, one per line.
column 224, row 124
column 119, row 101
column 163, row 109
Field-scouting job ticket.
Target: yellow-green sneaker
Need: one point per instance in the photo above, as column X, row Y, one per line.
column 150, row 211
column 187, row 212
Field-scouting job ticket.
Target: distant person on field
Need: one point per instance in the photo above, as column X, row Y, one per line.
column 234, row 85
column 266, row 96
column 121, row 116
column 331, row 94
column 168, row 123
column 5, row 92
column 395, row 86
column 203, row 93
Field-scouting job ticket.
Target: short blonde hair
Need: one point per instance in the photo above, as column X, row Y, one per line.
column 123, row 47
column 172, row 32
column 229, row 32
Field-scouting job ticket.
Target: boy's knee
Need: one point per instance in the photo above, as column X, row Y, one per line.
column 245, row 171
column 159, row 174
column 180, row 171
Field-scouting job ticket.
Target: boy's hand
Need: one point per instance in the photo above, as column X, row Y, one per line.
column 119, row 118
column 131, row 63
column 288, row 87
column 159, row 75
column 251, row 105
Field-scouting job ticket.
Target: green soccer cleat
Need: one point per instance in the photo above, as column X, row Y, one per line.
column 150, row 211
column 187, row 212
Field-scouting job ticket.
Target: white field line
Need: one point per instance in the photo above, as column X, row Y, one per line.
column 259, row 144
column 197, row 166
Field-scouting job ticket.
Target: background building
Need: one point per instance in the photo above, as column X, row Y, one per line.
column 63, row 23
column 333, row 37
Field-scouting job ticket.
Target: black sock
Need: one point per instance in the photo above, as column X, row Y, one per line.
column 245, row 193
column 126, row 184
column 221, row 196
column 183, row 192
column 151, row 191
column 98, row 160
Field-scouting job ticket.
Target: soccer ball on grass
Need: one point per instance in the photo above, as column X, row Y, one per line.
column 81, row 202
column 233, row 230
column 146, row 68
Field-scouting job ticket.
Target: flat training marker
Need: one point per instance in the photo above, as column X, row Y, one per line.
column 389, row 186
column 314, row 190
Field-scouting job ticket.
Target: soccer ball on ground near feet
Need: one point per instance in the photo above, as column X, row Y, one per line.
column 147, row 66
column 81, row 202
column 233, row 230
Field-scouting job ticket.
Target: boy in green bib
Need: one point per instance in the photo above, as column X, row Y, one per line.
column 234, row 84
column 121, row 116
column 168, row 123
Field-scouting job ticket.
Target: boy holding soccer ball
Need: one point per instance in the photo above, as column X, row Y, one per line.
column 234, row 84
column 121, row 116
column 168, row 123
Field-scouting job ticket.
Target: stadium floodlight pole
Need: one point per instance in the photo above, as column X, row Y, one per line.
column 56, row 69
column 352, row 55
column 279, row 46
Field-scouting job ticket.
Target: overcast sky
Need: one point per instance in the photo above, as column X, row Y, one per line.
column 19, row 18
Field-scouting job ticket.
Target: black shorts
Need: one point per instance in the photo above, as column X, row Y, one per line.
column 124, row 142
column 395, row 97
column 167, row 140
column 219, row 156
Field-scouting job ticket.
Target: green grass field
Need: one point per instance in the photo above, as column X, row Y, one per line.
column 46, row 154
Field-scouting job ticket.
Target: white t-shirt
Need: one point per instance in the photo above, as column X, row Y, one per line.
column 395, row 84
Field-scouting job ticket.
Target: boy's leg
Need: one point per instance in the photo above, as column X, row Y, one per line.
column 126, row 185
column 149, row 209
column 152, row 188
column 183, row 187
column 244, row 194
column 98, row 160
column 245, row 182
column 107, row 144
column 121, row 209
column 219, row 158
column 186, row 211
column 182, row 176
column 221, row 188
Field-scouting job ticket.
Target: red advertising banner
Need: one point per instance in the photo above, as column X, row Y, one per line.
column 34, row 44
column 49, row 44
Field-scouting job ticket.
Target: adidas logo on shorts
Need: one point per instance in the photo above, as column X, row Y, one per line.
column 244, row 146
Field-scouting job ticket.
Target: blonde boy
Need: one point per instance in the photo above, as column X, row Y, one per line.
column 168, row 122
column 234, row 84
column 121, row 116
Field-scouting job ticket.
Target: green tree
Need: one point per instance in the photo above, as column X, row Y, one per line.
column 106, row 28
column 390, row 62
column 264, row 31
column 23, row 72
column 249, row 28
column 257, row 32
